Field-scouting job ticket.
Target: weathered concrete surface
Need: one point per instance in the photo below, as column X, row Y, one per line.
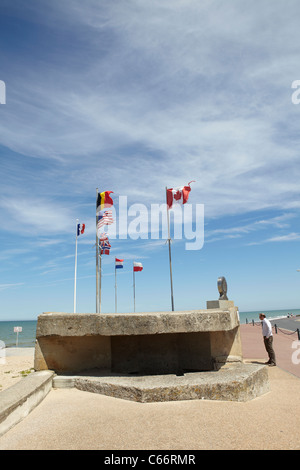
column 17, row 401
column 72, row 353
column 222, row 304
column 106, row 324
column 235, row 382
column 149, row 343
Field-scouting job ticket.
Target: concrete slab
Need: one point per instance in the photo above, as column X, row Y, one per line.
column 19, row 400
column 142, row 323
column 234, row 382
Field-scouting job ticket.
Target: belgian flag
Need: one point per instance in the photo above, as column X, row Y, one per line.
column 104, row 200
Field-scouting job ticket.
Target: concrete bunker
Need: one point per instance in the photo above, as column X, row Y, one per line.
column 148, row 357
column 140, row 343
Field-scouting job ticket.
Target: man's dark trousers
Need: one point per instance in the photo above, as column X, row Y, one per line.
column 269, row 348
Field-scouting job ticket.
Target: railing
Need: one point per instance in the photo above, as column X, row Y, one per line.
column 285, row 332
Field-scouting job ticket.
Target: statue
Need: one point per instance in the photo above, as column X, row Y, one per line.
column 222, row 288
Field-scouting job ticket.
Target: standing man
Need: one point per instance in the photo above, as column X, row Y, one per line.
column 268, row 339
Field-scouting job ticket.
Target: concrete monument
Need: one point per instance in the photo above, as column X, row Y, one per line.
column 150, row 356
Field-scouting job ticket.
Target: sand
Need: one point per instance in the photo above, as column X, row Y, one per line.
column 15, row 363
column 72, row 419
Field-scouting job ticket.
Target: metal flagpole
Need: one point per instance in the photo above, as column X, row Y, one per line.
column 133, row 289
column 170, row 259
column 75, row 275
column 97, row 259
column 115, row 288
column 100, row 276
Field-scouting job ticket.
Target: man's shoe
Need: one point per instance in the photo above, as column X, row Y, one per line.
column 272, row 364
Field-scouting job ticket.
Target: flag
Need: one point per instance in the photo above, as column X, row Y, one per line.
column 118, row 263
column 104, row 218
column 104, row 243
column 104, row 200
column 105, row 251
column 137, row 266
column 80, row 229
column 180, row 195
column 103, row 236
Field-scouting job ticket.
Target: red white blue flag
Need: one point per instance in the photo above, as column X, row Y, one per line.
column 104, row 244
column 104, row 218
column 119, row 263
column 80, row 229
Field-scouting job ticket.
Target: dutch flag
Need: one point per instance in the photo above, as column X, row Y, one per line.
column 119, row 263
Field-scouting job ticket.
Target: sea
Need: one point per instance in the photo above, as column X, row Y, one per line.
column 26, row 338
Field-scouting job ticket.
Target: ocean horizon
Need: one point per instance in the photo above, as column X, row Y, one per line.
column 26, row 339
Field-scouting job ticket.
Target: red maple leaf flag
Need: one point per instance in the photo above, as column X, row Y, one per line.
column 179, row 195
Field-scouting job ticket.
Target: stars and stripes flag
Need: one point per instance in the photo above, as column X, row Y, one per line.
column 104, row 218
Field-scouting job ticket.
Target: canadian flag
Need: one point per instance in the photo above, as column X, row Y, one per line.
column 179, row 195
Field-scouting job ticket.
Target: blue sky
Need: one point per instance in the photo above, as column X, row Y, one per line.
column 132, row 97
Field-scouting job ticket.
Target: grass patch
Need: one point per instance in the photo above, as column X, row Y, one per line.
column 24, row 373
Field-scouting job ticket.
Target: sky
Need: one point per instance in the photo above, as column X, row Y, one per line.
column 133, row 97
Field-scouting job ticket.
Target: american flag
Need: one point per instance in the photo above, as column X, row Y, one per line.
column 105, row 218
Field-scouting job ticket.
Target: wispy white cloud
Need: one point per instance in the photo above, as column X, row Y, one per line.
column 290, row 237
column 10, row 286
column 13, row 252
column 37, row 216
column 135, row 96
column 279, row 222
column 165, row 92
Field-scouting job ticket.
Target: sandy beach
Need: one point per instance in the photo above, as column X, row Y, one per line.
column 15, row 363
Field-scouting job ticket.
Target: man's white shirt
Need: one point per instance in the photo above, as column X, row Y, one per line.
column 266, row 328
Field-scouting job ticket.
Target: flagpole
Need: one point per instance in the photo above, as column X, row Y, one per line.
column 100, row 278
column 97, row 260
column 115, row 288
column 170, row 258
column 133, row 289
column 75, row 275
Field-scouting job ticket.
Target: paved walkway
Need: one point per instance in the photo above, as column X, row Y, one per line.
column 71, row 419
column 284, row 340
